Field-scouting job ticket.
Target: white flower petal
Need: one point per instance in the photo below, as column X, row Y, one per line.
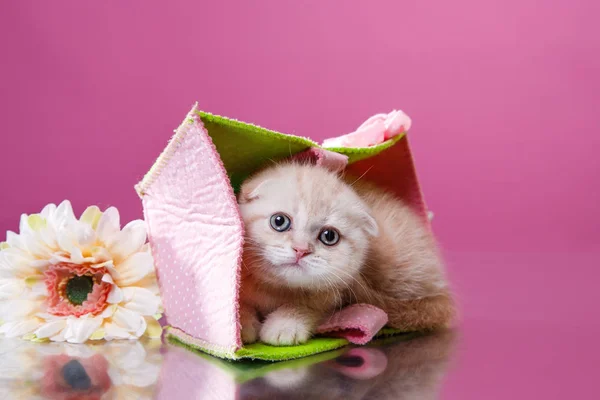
column 142, row 328
column 91, row 216
column 35, row 246
column 51, row 328
column 108, row 225
column 113, row 331
column 23, row 224
column 140, row 300
column 39, row 289
column 14, row 264
column 20, row 327
column 60, row 337
column 109, row 311
column 63, row 215
column 115, row 296
column 100, row 254
column 129, row 240
column 84, row 233
column 128, row 320
column 68, row 243
column 11, row 288
column 18, row 309
column 134, row 269
column 79, row 330
column 48, row 211
column 14, row 240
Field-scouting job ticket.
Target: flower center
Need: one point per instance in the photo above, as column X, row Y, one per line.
column 78, row 288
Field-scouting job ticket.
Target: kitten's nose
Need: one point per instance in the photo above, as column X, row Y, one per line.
column 301, row 252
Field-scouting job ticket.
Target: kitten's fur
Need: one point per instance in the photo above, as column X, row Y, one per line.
column 386, row 256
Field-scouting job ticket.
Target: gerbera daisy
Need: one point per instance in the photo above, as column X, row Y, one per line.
column 69, row 279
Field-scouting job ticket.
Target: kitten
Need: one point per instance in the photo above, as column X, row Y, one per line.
column 315, row 243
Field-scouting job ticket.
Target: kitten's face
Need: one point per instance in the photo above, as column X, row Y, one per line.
column 305, row 228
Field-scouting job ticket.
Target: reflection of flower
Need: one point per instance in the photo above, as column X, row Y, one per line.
column 67, row 378
column 113, row 370
column 68, row 279
column 375, row 130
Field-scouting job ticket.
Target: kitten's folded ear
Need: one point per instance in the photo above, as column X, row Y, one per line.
column 370, row 225
column 250, row 190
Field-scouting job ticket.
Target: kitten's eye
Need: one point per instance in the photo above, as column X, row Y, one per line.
column 280, row 222
column 329, row 236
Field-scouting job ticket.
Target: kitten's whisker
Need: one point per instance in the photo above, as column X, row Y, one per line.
column 344, row 282
column 360, row 177
column 356, row 280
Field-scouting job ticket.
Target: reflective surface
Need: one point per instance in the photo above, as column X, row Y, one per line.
column 481, row 360
column 393, row 368
column 529, row 329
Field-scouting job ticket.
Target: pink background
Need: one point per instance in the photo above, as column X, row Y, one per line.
column 503, row 95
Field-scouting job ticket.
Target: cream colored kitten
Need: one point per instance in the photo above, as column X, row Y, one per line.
column 315, row 243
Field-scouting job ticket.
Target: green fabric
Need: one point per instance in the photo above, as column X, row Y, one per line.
column 244, row 147
column 247, row 369
column 265, row 352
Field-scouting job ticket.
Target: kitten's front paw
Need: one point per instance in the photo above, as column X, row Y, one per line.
column 250, row 327
column 284, row 330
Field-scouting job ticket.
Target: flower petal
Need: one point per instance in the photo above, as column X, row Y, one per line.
column 51, row 328
column 60, row 337
column 67, row 241
column 141, row 329
column 98, row 335
column 11, row 288
column 18, row 309
column 84, row 234
column 13, row 240
column 140, row 300
column 63, row 215
column 48, row 211
column 115, row 296
column 153, row 329
column 108, row 225
column 113, row 331
column 128, row 320
column 79, row 330
column 20, row 327
column 134, row 269
column 91, row 216
column 109, row 311
column 36, row 222
column 129, row 240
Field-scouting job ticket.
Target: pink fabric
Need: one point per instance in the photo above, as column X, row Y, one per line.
column 184, row 375
column 196, row 237
column 394, row 170
column 333, row 161
column 357, row 323
column 374, row 130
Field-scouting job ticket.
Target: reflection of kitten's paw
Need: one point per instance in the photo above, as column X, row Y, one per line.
column 250, row 327
column 284, row 330
column 287, row 378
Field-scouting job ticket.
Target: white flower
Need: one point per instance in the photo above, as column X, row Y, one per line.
column 69, row 279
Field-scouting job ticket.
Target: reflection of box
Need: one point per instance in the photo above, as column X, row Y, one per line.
column 194, row 227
